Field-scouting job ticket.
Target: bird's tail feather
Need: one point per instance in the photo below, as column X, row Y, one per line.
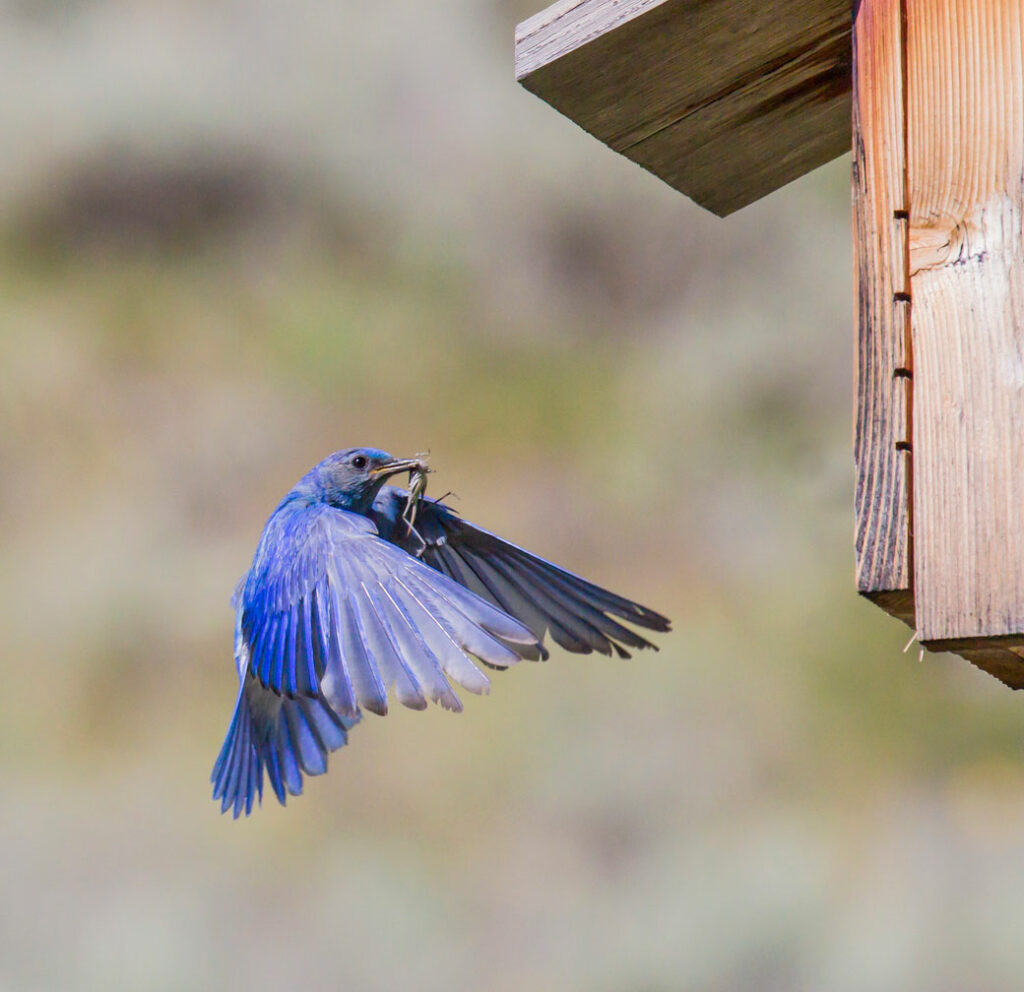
column 298, row 741
column 288, row 736
column 238, row 772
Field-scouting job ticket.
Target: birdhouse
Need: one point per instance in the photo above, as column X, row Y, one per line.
column 727, row 100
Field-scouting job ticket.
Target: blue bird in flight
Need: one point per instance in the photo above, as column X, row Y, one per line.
column 350, row 596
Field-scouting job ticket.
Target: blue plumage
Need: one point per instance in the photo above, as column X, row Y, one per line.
column 345, row 602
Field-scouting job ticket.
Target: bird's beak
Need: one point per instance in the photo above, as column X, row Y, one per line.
column 397, row 466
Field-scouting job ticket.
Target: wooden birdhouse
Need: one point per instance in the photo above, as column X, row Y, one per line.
column 727, row 100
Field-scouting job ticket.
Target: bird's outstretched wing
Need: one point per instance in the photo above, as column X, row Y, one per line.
column 330, row 618
column 543, row 596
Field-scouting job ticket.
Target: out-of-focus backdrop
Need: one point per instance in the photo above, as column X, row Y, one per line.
column 235, row 236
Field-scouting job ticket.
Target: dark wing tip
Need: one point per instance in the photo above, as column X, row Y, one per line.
column 644, row 617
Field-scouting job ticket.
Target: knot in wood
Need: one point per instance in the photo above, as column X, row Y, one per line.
column 993, row 227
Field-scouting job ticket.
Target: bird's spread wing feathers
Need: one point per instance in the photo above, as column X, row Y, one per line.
column 332, row 606
column 330, row 618
column 541, row 595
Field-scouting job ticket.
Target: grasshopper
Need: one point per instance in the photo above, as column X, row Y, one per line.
column 417, row 487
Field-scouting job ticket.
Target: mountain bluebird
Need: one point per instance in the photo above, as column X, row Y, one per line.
column 357, row 588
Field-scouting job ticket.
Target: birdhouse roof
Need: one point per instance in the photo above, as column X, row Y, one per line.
column 725, row 100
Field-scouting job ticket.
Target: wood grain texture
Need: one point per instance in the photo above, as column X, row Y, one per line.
column 883, row 364
column 725, row 100
column 889, row 333
column 965, row 166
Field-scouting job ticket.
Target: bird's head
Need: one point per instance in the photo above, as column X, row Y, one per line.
column 351, row 479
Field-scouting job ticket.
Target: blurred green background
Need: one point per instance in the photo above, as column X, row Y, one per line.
column 237, row 236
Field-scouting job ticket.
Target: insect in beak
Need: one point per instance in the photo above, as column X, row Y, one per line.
column 417, row 487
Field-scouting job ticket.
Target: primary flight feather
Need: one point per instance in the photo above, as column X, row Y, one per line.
column 356, row 591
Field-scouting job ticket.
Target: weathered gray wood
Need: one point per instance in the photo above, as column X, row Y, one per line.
column 725, row 100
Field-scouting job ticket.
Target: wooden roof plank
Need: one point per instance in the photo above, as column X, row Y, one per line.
column 725, row 100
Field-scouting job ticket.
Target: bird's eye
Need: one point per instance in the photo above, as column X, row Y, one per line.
column 359, row 461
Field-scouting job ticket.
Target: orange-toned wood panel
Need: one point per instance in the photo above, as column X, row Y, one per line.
column 965, row 112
